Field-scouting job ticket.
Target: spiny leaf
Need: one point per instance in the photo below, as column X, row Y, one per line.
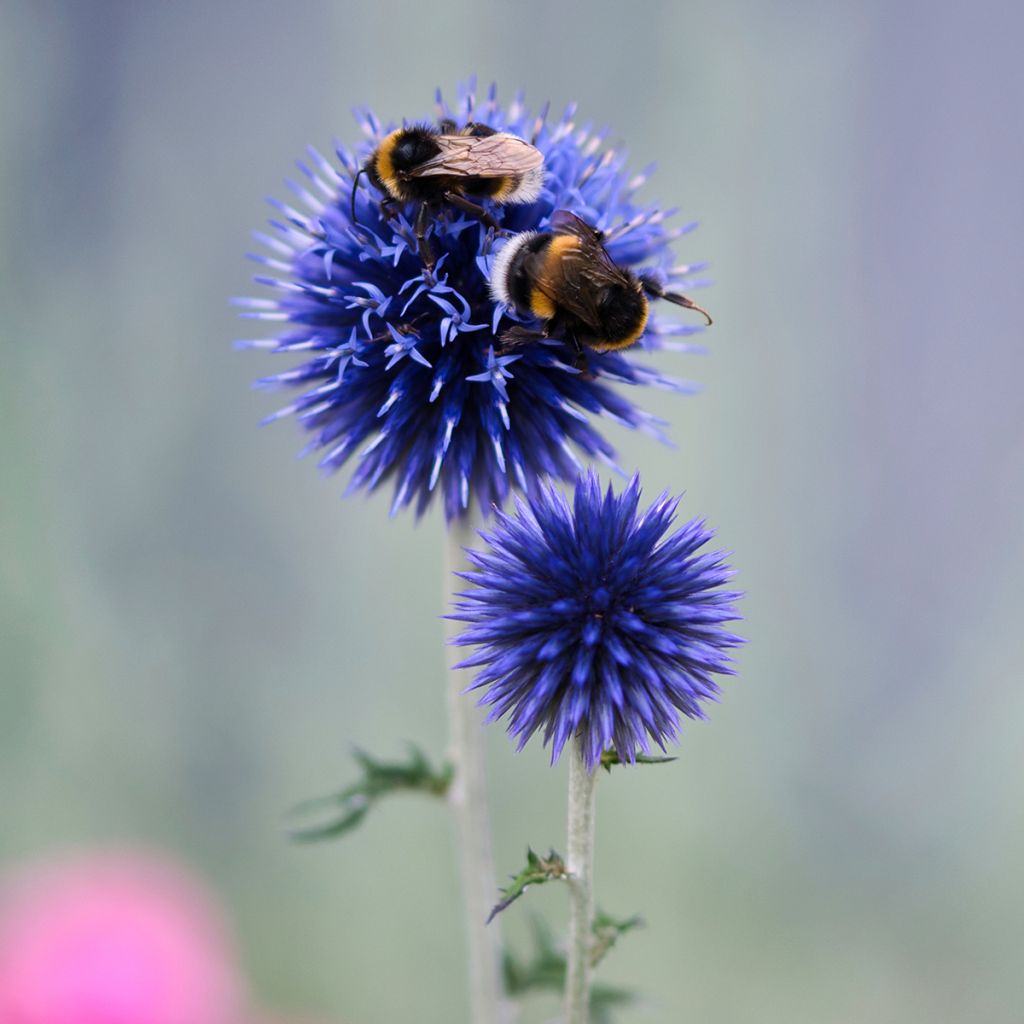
column 545, row 972
column 379, row 779
column 611, row 757
column 607, row 931
column 538, row 870
column 604, row 999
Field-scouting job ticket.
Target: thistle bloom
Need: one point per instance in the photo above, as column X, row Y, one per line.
column 595, row 621
column 399, row 366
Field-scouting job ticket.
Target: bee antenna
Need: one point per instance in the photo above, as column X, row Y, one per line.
column 654, row 289
column 682, row 300
column 355, row 182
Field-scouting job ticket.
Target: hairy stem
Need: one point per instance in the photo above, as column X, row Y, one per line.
column 468, row 800
column 580, row 863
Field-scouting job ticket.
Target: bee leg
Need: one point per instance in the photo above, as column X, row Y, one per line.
column 474, row 209
column 580, row 360
column 654, row 289
column 405, row 329
column 420, row 230
column 388, row 208
column 516, row 337
column 554, row 327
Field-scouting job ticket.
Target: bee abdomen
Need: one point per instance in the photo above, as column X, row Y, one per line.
column 487, row 188
column 523, row 188
column 512, row 278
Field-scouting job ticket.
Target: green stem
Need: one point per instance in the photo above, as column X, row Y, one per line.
column 468, row 801
column 580, row 864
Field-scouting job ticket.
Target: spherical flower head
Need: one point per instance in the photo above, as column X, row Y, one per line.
column 594, row 621
column 113, row 940
column 400, row 367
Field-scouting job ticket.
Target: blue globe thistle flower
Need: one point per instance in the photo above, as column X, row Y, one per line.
column 595, row 621
column 398, row 366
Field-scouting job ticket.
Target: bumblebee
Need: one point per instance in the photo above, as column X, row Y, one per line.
column 447, row 164
column 565, row 277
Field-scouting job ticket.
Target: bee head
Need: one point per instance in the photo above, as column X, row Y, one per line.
column 624, row 313
column 407, row 148
column 379, row 169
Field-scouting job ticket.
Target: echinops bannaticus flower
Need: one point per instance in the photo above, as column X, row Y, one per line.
column 399, row 365
column 595, row 621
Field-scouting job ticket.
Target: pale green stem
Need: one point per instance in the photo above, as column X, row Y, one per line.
column 580, row 864
column 468, row 801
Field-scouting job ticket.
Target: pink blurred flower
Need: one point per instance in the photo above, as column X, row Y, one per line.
column 114, row 939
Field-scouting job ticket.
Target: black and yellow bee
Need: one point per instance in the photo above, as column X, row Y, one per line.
column 447, row 164
column 565, row 277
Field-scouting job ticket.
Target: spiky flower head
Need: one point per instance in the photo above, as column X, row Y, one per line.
column 594, row 621
column 398, row 365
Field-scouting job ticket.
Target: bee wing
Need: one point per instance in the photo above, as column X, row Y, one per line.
column 563, row 222
column 591, row 242
column 586, row 271
column 573, row 287
column 480, row 156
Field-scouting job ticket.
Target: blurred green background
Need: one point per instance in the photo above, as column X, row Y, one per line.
column 196, row 628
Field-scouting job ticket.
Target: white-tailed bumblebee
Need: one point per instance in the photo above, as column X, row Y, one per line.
column 447, row 164
column 565, row 277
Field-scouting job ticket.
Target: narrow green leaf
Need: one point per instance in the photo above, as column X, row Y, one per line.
column 607, row 931
column 610, row 758
column 545, row 972
column 538, row 870
column 379, row 778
